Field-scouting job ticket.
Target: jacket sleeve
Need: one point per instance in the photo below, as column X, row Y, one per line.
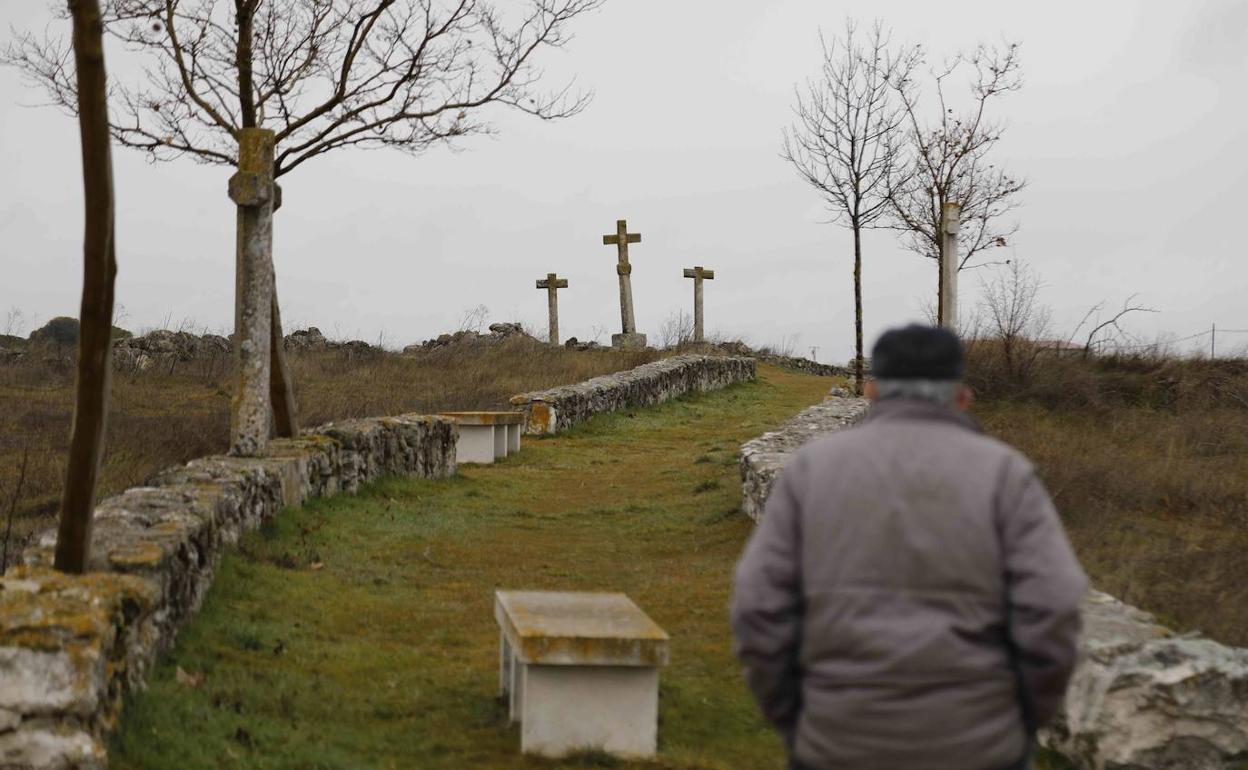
column 1045, row 586
column 767, row 607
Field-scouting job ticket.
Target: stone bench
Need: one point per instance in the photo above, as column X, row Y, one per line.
column 580, row 671
column 487, row 436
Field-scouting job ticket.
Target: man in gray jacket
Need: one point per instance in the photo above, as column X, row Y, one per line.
column 909, row 600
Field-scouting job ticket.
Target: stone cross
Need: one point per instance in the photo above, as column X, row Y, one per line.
column 552, row 284
column 948, row 294
column 621, row 239
column 253, row 191
column 699, row 274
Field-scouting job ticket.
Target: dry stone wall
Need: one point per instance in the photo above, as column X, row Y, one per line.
column 71, row 647
column 763, row 458
column 1142, row 697
column 557, row 409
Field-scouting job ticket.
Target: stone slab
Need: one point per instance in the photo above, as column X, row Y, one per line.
column 579, row 628
column 485, row 418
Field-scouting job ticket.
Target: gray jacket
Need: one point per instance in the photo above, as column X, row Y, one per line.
column 909, row 598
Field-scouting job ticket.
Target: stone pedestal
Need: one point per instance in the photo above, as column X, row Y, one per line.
column 628, row 341
column 580, row 671
column 487, row 436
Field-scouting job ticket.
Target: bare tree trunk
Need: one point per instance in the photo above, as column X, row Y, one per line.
column 281, row 385
column 858, row 363
column 95, row 344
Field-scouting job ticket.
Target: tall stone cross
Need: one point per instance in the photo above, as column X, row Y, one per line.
column 552, row 284
column 947, row 296
column 629, row 338
column 699, row 274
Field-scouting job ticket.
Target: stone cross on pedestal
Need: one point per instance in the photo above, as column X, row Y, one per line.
column 699, row 274
column 552, row 284
column 629, row 338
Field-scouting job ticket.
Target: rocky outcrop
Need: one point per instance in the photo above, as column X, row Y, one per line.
column 1146, row 699
column 72, row 647
column 498, row 332
column 583, row 346
column 165, row 348
column 763, row 458
column 1142, row 698
column 557, row 409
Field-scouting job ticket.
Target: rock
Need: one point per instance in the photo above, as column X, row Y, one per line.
column 1145, row 699
column 763, row 459
column 166, row 348
column 499, row 332
column 9, row 720
column 574, row 344
column 306, row 339
column 557, row 409
column 51, row 747
column 507, row 330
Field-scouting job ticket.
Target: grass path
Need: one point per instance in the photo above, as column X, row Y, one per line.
column 358, row 632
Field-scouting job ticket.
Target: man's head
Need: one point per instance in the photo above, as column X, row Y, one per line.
column 919, row 362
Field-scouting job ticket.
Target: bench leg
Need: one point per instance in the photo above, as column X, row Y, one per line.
column 570, row 708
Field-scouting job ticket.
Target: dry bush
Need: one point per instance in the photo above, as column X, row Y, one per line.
column 173, row 413
column 1147, row 458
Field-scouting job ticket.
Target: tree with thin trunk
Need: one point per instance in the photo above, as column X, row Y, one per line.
column 950, row 159
column 323, row 75
column 95, row 343
column 1018, row 322
column 848, row 137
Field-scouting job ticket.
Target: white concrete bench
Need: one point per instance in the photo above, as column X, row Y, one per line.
column 487, row 436
column 580, row 671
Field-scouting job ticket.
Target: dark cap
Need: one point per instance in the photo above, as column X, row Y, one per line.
column 918, row 352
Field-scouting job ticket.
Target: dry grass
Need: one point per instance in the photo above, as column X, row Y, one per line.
column 1147, row 459
column 168, row 415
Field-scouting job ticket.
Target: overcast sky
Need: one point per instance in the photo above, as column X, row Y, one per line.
column 1132, row 131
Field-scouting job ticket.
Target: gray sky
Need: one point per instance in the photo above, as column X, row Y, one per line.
column 1128, row 129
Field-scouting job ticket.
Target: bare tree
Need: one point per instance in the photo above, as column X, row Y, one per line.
column 321, row 74
column 950, row 159
column 847, row 140
column 1010, row 304
column 95, row 341
column 1103, row 330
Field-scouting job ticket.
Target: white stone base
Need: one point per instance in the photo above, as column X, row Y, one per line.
column 476, row 444
column 513, row 438
column 628, row 341
column 572, row 708
column 500, row 442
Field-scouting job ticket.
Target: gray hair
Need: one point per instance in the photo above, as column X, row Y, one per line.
column 942, row 392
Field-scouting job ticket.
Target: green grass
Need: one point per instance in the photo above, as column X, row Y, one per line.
column 385, row 654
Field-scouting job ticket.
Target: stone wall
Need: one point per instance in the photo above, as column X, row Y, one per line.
column 71, row 647
column 763, row 458
column 1142, row 697
column 557, row 409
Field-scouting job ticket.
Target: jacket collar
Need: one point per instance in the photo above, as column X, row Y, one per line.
column 918, row 410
